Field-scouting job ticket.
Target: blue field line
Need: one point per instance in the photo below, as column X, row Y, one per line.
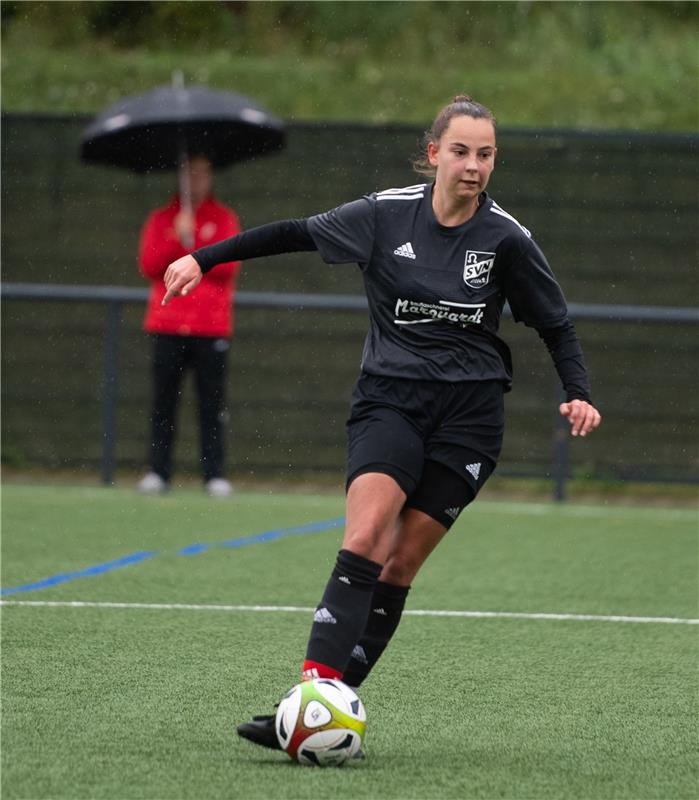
column 88, row 572
column 265, row 536
column 189, row 550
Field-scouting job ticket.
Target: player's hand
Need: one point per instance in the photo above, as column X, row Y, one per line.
column 583, row 416
column 181, row 277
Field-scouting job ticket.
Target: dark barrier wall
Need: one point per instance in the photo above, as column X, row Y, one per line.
column 616, row 215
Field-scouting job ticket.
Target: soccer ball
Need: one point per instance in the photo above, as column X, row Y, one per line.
column 321, row 723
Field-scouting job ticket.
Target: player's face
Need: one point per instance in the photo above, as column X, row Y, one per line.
column 464, row 156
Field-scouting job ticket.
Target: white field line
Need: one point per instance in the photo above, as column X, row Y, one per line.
column 273, row 499
column 308, row 610
column 593, row 511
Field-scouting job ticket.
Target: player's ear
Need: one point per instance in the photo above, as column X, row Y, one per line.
column 432, row 151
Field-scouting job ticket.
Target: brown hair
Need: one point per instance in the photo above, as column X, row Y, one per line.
column 461, row 106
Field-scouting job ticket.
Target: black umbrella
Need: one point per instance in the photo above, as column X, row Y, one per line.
column 153, row 131
column 159, row 129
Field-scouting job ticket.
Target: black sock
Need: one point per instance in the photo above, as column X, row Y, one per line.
column 342, row 613
column 387, row 605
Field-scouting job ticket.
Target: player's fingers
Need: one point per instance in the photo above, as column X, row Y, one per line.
column 583, row 416
column 169, row 294
column 576, row 417
column 190, row 285
column 173, row 280
column 592, row 421
column 575, row 413
column 180, row 272
column 584, row 420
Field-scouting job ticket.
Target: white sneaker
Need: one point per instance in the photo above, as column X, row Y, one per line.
column 219, row 487
column 152, row 483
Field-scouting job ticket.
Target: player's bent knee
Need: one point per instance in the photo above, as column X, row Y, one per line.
column 400, row 571
column 367, row 542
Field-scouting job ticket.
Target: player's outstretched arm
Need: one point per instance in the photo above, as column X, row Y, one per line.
column 583, row 416
column 181, row 277
column 286, row 236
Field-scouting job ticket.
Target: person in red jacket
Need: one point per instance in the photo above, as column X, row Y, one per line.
column 191, row 333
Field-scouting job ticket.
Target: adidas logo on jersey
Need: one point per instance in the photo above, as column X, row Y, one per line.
column 358, row 654
column 323, row 615
column 474, row 469
column 381, row 612
column 405, row 250
column 453, row 512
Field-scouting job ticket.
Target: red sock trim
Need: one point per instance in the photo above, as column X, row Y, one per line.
column 312, row 669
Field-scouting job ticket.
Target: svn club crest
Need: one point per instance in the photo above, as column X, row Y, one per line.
column 477, row 268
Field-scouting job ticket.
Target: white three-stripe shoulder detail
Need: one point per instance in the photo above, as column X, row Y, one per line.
column 407, row 193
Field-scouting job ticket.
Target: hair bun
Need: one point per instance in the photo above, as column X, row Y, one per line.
column 462, row 98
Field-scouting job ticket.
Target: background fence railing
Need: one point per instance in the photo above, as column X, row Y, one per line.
column 76, row 392
column 615, row 212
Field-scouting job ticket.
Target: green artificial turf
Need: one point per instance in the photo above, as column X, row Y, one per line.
column 142, row 702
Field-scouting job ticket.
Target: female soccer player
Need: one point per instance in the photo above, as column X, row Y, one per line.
column 439, row 260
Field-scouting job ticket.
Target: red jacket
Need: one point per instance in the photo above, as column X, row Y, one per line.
column 207, row 311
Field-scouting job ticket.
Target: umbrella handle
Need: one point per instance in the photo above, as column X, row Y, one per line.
column 185, row 195
column 183, row 171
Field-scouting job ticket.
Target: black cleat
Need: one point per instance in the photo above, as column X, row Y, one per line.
column 260, row 730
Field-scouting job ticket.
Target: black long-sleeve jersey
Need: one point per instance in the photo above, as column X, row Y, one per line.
column 435, row 293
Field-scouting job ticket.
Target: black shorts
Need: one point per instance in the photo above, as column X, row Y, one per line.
column 425, row 435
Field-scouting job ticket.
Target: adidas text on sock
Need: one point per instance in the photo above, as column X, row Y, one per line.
column 341, row 615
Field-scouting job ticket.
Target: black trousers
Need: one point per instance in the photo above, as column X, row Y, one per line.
column 172, row 356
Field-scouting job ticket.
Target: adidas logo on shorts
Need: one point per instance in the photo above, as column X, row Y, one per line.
column 474, row 469
column 453, row 512
column 405, row 250
column 323, row 615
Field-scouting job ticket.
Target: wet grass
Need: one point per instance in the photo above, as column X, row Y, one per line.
column 135, row 692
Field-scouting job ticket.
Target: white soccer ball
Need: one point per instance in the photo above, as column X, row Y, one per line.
column 321, row 723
